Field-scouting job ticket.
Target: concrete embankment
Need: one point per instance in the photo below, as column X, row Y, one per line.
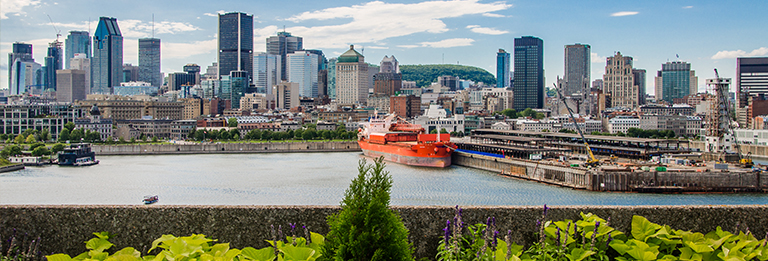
column 12, row 167
column 66, row 228
column 625, row 180
column 210, row 148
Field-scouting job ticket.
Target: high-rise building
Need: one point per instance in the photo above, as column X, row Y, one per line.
column 81, row 62
column 302, row 67
column 235, row 44
column 286, row 96
column 389, row 80
column 233, row 87
column 452, row 82
column 332, row 78
column 322, row 73
column 194, row 70
column 751, row 78
column 71, row 85
column 675, row 80
column 619, row 82
column 149, row 61
column 502, row 69
column 639, row 77
column 577, row 68
column 282, row 44
column 389, row 65
column 77, row 42
column 351, row 78
column 266, row 72
column 529, row 73
column 212, row 71
column 107, row 60
column 53, row 62
column 130, row 73
column 22, row 71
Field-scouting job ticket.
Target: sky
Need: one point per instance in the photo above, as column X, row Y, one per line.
column 707, row 34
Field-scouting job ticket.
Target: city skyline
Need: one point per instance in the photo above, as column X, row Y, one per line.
column 467, row 32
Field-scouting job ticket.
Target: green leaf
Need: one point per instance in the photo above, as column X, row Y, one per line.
column 642, row 228
column 297, row 253
column 162, row 239
column 58, row 257
column 698, row 247
column 98, row 244
column 267, row 253
column 578, row 254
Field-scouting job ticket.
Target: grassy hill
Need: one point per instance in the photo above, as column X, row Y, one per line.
column 424, row 75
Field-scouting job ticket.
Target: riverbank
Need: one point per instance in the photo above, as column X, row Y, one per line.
column 11, row 167
column 64, row 228
column 223, row 148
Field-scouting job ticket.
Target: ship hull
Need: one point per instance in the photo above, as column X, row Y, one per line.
column 425, row 155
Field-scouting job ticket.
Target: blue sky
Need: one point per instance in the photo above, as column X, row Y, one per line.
column 708, row 34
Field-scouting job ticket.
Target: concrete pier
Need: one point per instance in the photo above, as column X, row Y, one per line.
column 221, row 148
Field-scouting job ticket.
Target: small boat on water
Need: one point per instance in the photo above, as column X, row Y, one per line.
column 78, row 155
column 150, row 199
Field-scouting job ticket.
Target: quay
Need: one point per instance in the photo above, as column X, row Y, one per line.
column 223, row 148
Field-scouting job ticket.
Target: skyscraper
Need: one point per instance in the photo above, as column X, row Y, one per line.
column 639, row 77
column 332, row 78
column 266, row 72
column 577, row 68
column 351, row 78
column 71, row 85
column 130, row 73
column 235, row 44
column 149, row 61
column 282, row 44
column 529, row 73
column 675, row 80
column 53, row 62
column 107, row 61
column 322, row 73
column 389, row 80
column 22, row 52
column 751, row 78
column 194, row 70
column 233, row 87
column 302, row 69
column 81, row 62
column 619, row 82
column 502, row 69
column 76, row 42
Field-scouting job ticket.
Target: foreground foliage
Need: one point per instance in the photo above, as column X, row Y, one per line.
column 592, row 238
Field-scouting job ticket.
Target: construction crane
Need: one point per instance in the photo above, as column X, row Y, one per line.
column 744, row 161
column 592, row 161
column 58, row 32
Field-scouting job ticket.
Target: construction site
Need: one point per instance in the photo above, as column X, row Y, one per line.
column 622, row 164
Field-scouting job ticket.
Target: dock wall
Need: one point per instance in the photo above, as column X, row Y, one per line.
column 210, row 148
column 629, row 181
column 66, row 228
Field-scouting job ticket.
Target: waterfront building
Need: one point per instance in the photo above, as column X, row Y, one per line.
column 751, row 78
column 235, row 44
column 577, row 68
column 76, row 42
column 70, row 85
column 622, row 124
column 158, row 128
column 351, row 78
column 639, row 77
column 107, row 60
column 619, row 82
column 17, row 118
column 674, row 109
column 436, row 117
column 81, row 62
column 286, row 95
column 180, row 129
column 502, row 69
column 529, row 73
column 302, row 69
column 94, row 122
column 282, row 44
column 136, row 88
column 266, row 71
column 135, row 109
column 53, row 62
column 149, row 61
column 675, row 80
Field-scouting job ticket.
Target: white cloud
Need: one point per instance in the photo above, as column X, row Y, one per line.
column 366, row 24
column 484, row 30
column 131, row 28
column 687, row 7
column 15, row 7
column 183, row 50
column 260, row 36
column 408, row 46
column 493, row 15
column 379, row 47
column 762, row 51
column 216, row 14
column 594, row 58
column 624, row 13
column 447, row 43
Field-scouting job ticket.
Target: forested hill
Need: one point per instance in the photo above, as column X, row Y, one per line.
column 426, row 74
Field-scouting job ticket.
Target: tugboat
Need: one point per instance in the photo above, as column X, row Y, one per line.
column 78, row 155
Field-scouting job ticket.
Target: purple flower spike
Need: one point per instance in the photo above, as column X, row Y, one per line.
column 557, row 235
column 494, row 243
column 608, row 241
column 494, row 221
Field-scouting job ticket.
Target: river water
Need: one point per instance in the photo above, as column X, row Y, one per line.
column 299, row 179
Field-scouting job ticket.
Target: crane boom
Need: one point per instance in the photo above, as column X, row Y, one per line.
column 592, row 160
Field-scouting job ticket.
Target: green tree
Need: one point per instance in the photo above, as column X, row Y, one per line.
column 44, row 135
column 154, row 139
column 366, row 228
column 70, row 126
column 121, row 140
column 31, row 138
column 298, row 134
column 11, row 150
column 57, row 147
column 309, row 134
column 200, row 135
column 34, row 146
column 40, row 151
column 234, row 134
column 64, row 135
column 76, row 135
column 133, row 140
column 232, row 122
column 19, row 139
column 510, row 113
column 424, row 75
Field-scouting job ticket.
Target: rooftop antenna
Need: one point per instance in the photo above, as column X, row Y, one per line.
column 89, row 25
column 153, row 25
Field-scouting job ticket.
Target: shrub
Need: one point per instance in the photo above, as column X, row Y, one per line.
column 366, row 228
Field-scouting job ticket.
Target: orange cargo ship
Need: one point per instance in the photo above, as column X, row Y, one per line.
column 404, row 143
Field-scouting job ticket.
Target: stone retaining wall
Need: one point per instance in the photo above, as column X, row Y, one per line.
column 65, row 228
column 209, row 148
column 12, row 167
